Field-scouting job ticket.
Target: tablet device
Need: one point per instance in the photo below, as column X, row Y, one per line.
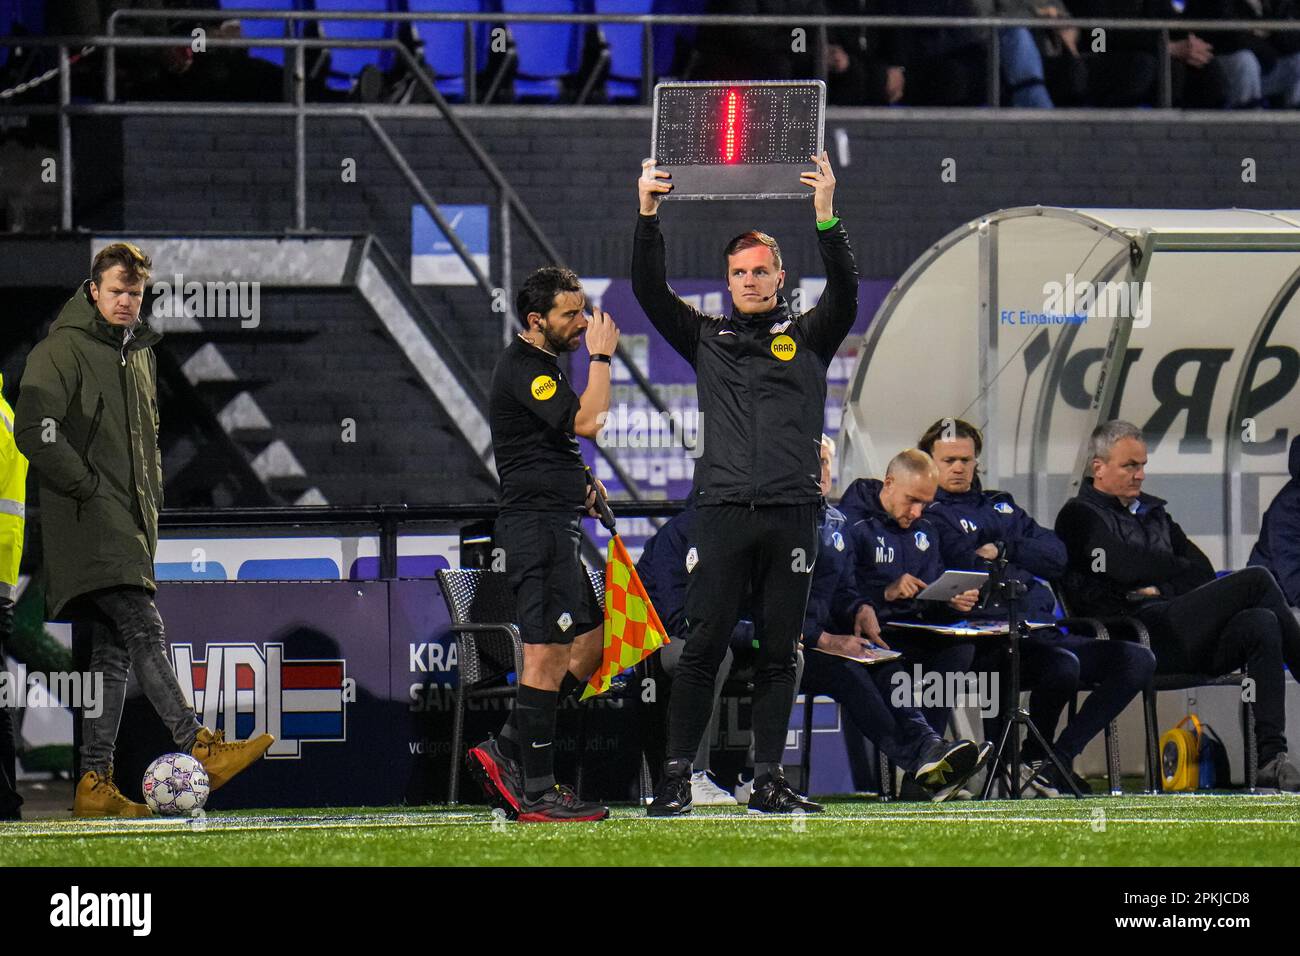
column 952, row 583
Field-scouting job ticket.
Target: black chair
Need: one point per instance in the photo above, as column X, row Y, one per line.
column 1179, row 681
column 488, row 646
column 1096, row 628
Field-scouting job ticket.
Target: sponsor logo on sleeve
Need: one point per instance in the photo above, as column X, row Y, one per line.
column 542, row 387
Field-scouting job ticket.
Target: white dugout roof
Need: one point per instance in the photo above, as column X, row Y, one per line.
column 1036, row 323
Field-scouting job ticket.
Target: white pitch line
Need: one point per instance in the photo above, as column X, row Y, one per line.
column 24, row 832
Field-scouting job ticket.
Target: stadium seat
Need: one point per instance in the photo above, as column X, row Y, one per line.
column 346, row 64
column 482, row 609
column 1138, row 630
column 444, row 43
column 624, row 39
column 548, row 53
column 674, row 45
column 257, row 29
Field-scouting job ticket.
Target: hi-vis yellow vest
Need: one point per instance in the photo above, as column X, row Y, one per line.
column 13, row 497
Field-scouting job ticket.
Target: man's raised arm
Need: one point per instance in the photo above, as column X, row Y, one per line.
column 829, row 322
column 672, row 318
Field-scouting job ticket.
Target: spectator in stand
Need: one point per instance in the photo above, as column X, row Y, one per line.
column 173, row 73
column 856, row 73
column 1258, row 66
column 1126, row 72
column 1040, row 68
column 757, row 53
column 935, row 67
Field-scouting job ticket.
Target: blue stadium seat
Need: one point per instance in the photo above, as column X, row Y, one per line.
column 444, row 43
column 547, row 52
column 6, row 28
column 624, row 41
column 667, row 39
column 266, row 28
column 345, row 64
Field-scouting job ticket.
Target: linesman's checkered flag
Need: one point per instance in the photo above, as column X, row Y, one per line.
column 633, row 630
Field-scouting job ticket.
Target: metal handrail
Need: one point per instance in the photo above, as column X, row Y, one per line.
column 991, row 24
column 386, row 519
column 293, row 516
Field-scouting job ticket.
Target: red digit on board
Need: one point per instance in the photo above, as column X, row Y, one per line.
column 731, row 139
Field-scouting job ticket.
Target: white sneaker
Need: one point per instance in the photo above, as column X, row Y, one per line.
column 706, row 793
column 744, row 789
column 1040, row 785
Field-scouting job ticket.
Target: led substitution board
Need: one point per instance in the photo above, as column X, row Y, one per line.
column 739, row 140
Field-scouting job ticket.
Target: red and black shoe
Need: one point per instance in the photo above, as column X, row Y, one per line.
column 560, row 805
column 501, row 778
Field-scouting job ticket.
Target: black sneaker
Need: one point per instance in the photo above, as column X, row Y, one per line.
column 776, row 796
column 909, row 791
column 944, row 761
column 502, row 779
column 672, row 797
column 952, row 784
column 1278, row 774
column 560, row 805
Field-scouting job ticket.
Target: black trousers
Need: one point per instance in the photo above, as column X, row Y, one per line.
column 1241, row 620
column 10, row 801
column 766, row 555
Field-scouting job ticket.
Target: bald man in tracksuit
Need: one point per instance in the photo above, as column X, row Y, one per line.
column 839, row 622
column 897, row 553
column 761, row 374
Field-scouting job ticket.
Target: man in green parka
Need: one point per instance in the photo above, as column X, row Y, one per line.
column 87, row 420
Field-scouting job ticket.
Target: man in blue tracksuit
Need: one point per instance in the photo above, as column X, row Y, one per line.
column 1278, row 547
column 896, row 556
column 839, row 625
column 973, row 524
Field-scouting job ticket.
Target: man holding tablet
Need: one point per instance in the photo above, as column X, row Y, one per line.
column 898, row 557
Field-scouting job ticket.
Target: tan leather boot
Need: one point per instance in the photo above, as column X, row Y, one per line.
column 98, row 796
column 224, row 760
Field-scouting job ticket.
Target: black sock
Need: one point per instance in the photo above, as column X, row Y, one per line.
column 508, row 739
column 535, row 722
column 763, row 773
column 571, row 687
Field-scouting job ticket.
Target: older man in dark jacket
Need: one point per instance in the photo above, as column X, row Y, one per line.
column 1129, row 557
column 87, row 420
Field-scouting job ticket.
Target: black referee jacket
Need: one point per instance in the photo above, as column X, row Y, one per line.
column 761, row 379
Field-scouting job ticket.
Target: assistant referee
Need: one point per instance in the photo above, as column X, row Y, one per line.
column 535, row 415
column 761, row 379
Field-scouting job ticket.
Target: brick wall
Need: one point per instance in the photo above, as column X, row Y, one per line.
column 576, row 171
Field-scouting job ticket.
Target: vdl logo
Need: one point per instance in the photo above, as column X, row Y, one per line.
column 247, row 689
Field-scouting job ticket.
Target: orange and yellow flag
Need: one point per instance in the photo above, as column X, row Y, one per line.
column 633, row 630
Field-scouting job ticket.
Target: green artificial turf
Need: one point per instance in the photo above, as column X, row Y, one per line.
column 1170, row 830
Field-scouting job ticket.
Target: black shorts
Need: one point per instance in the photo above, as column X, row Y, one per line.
column 554, row 597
